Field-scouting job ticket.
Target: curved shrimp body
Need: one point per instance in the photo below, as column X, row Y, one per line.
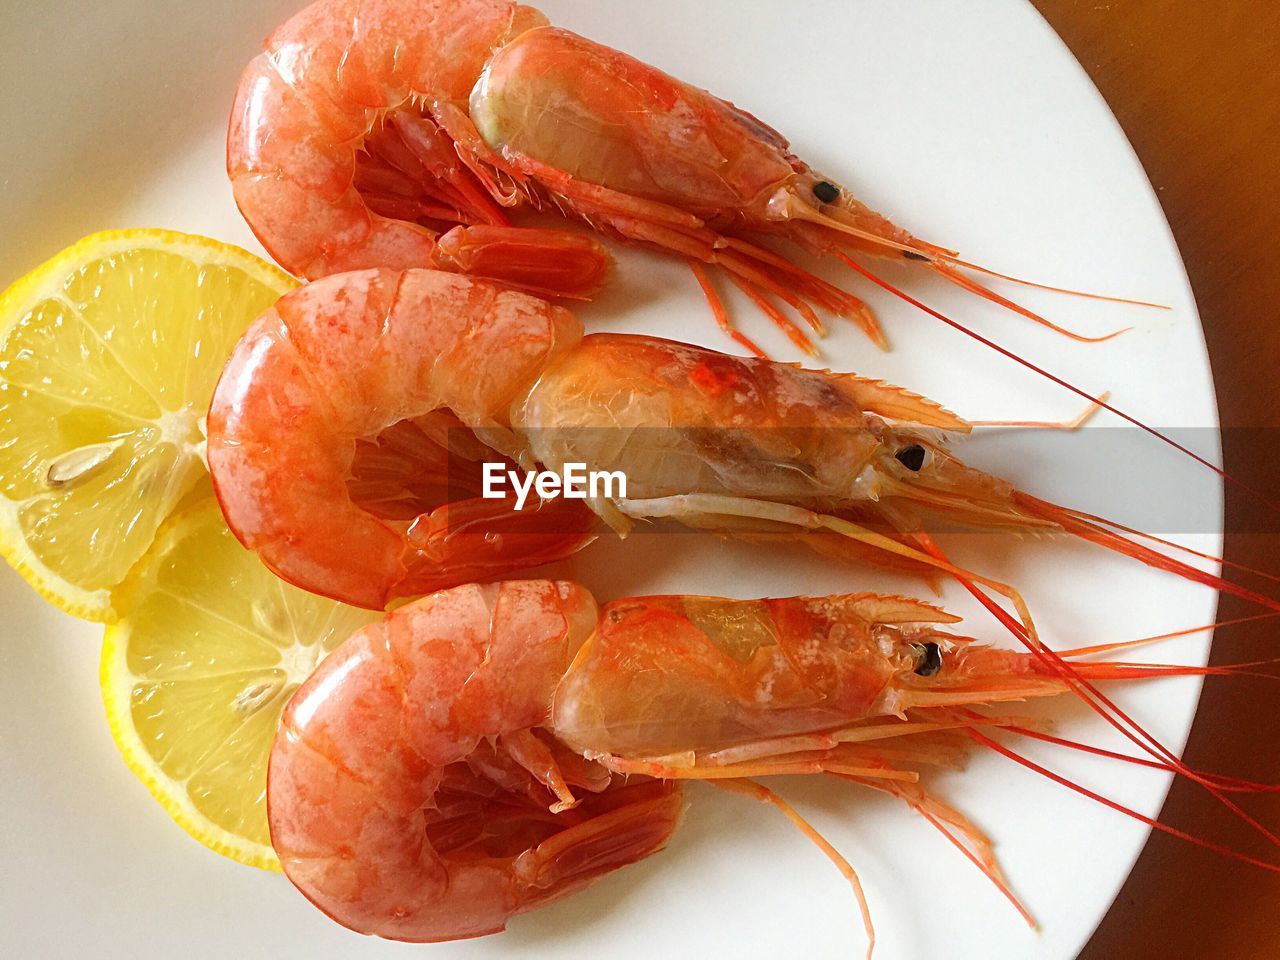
column 339, row 161
column 345, row 362
column 409, row 795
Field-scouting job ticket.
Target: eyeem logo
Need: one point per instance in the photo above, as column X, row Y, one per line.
column 575, row 483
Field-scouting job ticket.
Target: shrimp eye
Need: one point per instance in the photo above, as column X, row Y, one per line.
column 826, row 192
column 928, row 659
column 911, row 457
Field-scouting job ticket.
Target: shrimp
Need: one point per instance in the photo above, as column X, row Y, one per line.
column 412, row 789
column 347, row 431
column 461, row 760
column 335, row 165
column 362, row 123
column 421, row 364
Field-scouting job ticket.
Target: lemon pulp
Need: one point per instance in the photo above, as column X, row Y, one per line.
column 197, row 670
column 109, row 354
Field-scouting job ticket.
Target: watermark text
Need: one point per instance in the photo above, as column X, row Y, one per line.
column 575, row 482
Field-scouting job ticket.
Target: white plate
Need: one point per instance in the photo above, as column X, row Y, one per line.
column 969, row 123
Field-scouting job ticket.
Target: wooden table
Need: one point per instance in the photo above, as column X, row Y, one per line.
column 1196, row 85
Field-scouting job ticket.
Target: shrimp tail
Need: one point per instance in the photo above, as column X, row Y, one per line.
column 547, row 263
column 479, row 538
column 627, row 834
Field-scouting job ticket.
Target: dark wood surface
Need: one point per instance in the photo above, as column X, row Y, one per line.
column 1196, row 86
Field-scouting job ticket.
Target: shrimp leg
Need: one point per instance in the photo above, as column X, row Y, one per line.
column 758, row 791
column 678, row 232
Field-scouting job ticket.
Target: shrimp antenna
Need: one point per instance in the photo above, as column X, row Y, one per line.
column 1121, row 808
column 970, row 285
column 978, row 268
column 1003, row 351
column 941, row 261
column 1095, row 530
column 1097, row 701
column 1138, row 670
column 1228, row 783
column 1119, row 719
column 1142, row 641
column 1231, row 784
column 1177, row 546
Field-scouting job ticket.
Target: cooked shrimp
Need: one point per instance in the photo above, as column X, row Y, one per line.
column 336, row 163
column 413, row 791
column 738, row 445
column 363, row 130
column 453, row 765
column 345, row 434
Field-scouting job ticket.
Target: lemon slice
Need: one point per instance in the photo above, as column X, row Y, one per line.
column 197, row 671
column 109, row 354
